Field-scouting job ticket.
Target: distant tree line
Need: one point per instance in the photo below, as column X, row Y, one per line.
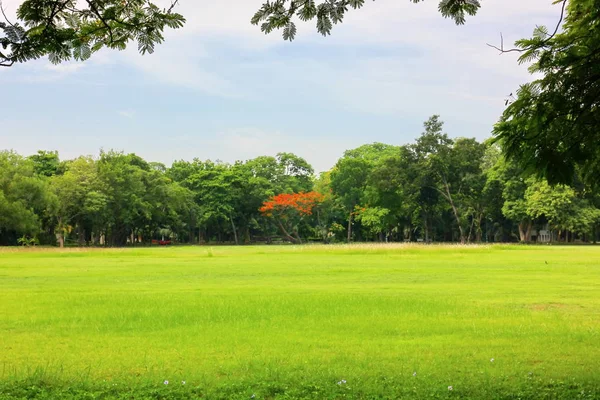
column 435, row 189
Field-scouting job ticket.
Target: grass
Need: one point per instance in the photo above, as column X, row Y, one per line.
column 301, row 322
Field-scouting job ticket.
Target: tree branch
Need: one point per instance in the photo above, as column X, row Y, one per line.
column 101, row 18
column 560, row 20
column 173, row 4
column 4, row 14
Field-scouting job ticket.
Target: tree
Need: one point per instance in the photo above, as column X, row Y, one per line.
column 280, row 14
column 46, row 163
column 550, row 128
column 561, row 207
column 351, row 177
column 124, row 176
column 348, row 182
column 328, row 210
column 372, row 218
column 78, row 193
column 23, row 197
column 454, row 169
column 69, row 29
column 496, row 224
column 288, row 211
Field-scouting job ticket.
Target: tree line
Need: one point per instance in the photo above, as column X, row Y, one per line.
column 435, row 189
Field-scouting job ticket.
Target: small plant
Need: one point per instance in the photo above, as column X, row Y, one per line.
column 27, row 241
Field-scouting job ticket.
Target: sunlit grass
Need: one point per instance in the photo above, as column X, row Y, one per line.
column 297, row 320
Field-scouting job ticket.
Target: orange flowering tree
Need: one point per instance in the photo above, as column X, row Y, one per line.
column 288, row 210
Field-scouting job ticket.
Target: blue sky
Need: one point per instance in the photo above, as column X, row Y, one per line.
column 220, row 89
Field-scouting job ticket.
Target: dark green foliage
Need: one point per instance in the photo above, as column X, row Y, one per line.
column 23, row 197
column 46, row 163
column 68, row 29
column 551, row 128
column 280, row 14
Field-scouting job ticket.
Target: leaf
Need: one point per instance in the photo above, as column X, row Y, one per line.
column 309, row 11
column 82, row 52
column 289, row 32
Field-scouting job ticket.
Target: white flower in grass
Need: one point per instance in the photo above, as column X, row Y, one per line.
column 166, row 382
column 253, row 396
column 183, row 382
column 415, row 373
column 492, row 360
column 450, row 388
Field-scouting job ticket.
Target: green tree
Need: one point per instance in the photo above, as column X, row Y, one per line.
column 123, row 176
column 495, row 221
column 550, row 128
column 560, row 205
column 393, row 185
column 78, row 194
column 514, row 186
column 46, row 163
column 454, row 168
column 69, row 29
column 373, row 219
column 348, row 182
column 23, row 197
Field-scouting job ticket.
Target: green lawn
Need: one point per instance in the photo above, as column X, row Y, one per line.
column 301, row 322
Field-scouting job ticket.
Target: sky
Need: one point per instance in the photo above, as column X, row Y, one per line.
column 220, row 89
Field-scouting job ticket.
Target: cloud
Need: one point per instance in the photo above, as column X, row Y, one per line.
column 244, row 143
column 173, row 63
column 64, row 68
column 126, row 113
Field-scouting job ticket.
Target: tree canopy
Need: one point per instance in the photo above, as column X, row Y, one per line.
column 282, row 14
column 551, row 127
column 70, row 29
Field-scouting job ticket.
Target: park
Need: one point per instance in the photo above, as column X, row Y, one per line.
column 299, row 199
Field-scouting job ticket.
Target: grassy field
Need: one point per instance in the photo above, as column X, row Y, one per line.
column 363, row 321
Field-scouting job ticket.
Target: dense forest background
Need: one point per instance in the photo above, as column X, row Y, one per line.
column 436, row 189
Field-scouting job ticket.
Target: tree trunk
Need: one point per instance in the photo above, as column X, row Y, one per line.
column 471, row 229
column 234, row 230
column 479, row 231
column 60, row 236
column 297, row 236
column 426, row 227
column 286, row 233
column 80, row 235
column 525, row 231
column 455, row 211
column 350, row 227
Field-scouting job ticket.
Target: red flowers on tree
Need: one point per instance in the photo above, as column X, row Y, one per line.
column 288, row 209
column 303, row 203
